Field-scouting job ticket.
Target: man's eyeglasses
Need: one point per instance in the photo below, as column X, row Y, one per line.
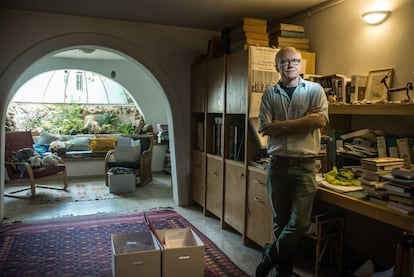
column 286, row 62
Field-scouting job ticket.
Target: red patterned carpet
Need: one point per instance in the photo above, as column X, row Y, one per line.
column 81, row 246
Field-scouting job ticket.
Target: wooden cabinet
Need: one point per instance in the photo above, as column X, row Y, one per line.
column 227, row 144
column 234, row 194
column 258, row 213
column 198, row 139
column 236, row 83
column 216, row 85
column 214, row 185
column 198, row 86
column 198, row 174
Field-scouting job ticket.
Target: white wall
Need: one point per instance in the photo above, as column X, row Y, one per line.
column 347, row 45
column 167, row 52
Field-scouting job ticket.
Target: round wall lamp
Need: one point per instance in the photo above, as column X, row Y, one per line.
column 375, row 17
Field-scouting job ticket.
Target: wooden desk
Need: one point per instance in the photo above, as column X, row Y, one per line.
column 376, row 211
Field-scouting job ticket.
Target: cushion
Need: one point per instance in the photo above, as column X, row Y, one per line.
column 46, row 138
column 78, row 144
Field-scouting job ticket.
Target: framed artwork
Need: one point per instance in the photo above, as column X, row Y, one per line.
column 378, row 83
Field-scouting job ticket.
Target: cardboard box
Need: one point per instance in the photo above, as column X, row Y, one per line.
column 121, row 182
column 182, row 252
column 135, row 254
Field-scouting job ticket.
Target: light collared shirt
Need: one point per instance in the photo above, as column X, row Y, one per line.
column 277, row 105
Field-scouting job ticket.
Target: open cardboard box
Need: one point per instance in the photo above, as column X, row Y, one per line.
column 182, row 251
column 135, row 254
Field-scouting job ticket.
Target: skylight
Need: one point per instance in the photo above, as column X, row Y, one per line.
column 72, row 86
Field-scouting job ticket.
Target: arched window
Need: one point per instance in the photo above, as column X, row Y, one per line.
column 62, row 101
column 72, row 86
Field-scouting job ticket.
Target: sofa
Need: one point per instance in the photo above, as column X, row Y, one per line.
column 74, row 146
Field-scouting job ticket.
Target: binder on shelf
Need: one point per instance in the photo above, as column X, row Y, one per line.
column 392, row 147
column 381, row 146
column 238, row 142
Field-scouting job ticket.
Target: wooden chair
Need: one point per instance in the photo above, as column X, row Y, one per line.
column 15, row 141
column 142, row 167
column 327, row 236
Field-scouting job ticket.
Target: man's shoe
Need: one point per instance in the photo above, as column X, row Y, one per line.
column 265, row 265
column 285, row 270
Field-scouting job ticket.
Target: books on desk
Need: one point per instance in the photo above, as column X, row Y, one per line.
column 379, row 182
column 401, row 193
column 374, row 168
column 383, row 161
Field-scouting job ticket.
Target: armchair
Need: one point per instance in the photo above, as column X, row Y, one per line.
column 142, row 166
column 22, row 171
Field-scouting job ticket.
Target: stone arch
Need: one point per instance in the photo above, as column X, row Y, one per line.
column 50, row 45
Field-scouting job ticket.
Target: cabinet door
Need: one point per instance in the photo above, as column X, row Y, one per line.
column 214, row 189
column 198, row 87
column 198, row 177
column 234, row 195
column 237, row 82
column 215, row 85
column 259, row 217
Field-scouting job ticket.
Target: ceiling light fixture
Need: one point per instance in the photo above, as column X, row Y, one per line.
column 375, row 17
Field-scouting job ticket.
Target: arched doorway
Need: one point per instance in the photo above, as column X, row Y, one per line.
column 11, row 80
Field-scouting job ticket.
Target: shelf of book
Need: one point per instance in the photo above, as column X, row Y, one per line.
column 367, row 208
column 373, row 109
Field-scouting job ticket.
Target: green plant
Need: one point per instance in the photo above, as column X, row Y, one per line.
column 107, row 119
column 128, row 129
column 67, row 118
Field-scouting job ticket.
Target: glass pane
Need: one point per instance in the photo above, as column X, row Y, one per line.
column 72, row 86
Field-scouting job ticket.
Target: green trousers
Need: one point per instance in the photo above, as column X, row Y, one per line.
column 291, row 190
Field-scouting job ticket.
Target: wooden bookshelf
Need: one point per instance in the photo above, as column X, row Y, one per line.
column 372, row 109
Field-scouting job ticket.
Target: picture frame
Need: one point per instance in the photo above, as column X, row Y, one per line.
column 378, row 83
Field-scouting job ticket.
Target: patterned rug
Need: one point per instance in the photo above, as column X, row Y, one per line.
column 76, row 192
column 81, row 246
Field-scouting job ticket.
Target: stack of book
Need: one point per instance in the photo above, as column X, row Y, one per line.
column 372, row 177
column 400, row 188
column 282, row 35
column 252, row 31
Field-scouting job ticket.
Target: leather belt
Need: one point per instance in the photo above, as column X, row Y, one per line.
column 291, row 161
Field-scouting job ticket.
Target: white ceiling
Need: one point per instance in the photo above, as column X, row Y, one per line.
column 203, row 14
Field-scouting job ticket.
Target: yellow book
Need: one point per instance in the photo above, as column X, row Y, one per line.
column 285, row 27
column 254, row 21
column 292, row 40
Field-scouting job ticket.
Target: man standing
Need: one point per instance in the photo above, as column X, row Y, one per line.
column 291, row 114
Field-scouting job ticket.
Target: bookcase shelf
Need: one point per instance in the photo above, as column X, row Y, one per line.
column 372, row 109
column 367, row 208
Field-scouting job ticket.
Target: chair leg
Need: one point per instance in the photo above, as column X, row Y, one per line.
column 32, row 188
column 318, row 252
column 65, row 179
column 106, row 179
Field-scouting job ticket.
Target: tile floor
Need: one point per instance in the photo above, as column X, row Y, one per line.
column 154, row 195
